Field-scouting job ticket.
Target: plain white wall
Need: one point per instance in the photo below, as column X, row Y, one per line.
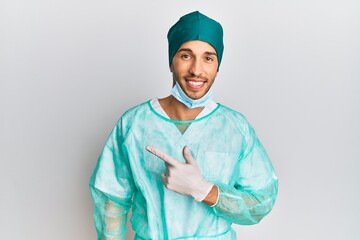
column 69, row 69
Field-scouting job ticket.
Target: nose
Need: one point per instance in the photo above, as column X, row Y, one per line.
column 196, row 68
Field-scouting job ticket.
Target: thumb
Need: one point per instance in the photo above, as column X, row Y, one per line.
column 188, row 157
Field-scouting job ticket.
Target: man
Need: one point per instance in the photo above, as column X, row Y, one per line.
column 188, row 166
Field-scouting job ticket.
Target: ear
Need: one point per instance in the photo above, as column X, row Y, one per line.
column 171, row 68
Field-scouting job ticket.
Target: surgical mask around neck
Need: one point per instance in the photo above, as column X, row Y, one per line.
column 180, row 95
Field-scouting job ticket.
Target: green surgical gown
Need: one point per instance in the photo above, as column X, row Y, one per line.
column 228, row 153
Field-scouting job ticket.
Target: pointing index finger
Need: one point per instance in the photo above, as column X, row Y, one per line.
column 163, row 156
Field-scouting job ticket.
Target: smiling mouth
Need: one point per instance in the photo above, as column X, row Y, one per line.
column 195, row 84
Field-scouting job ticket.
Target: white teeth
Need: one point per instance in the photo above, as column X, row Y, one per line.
column 196, row 83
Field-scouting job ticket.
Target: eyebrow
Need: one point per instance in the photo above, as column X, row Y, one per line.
column 190, row 51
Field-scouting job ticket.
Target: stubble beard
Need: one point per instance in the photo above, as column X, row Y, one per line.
column 176, row 79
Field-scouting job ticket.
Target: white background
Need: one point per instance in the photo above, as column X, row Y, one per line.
column 69, row 69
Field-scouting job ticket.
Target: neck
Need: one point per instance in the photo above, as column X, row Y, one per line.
column 178, row 111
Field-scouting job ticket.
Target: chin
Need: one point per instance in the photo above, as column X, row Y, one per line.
column 195, row 98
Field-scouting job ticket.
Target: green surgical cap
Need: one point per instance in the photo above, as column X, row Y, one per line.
column 196, row 26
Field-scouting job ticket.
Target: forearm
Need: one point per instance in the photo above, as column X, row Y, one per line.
column 110, row 215
column 114, row 222
column 245, row 207
column 212, row 197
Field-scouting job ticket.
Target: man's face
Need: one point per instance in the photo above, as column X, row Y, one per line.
column 194, row 67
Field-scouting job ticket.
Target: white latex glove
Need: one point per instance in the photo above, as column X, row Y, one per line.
column 183, row 178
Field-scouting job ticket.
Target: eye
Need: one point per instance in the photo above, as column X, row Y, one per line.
column 209, row 59
column 185, row 56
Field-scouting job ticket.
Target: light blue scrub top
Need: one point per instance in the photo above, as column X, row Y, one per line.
column 228, row 153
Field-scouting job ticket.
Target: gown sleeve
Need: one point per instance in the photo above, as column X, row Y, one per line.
column 112, row 187
column 254, row 193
